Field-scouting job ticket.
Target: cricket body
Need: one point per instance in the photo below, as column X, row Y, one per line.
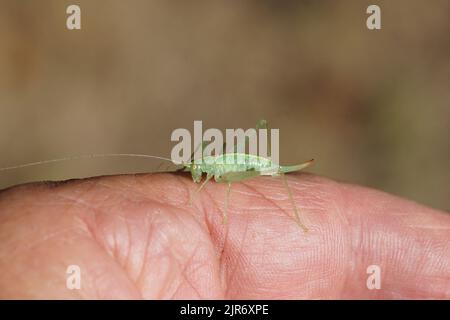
column 224, row 168
column 235, row 167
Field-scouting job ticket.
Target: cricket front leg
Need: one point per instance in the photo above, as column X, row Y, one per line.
column 208, row 177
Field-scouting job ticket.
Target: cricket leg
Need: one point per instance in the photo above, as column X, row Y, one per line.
column 202, row 145
column 208, row 177
column 225, row 210
column 159, row 167
column 291, row 198
column 191, row 159
column 234, row 177
column 262, row 124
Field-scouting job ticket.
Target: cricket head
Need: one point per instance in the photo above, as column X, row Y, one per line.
column 196, row 172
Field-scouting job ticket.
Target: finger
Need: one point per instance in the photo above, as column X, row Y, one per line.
column 161, row 248
column 351, row 229
column 125, row 238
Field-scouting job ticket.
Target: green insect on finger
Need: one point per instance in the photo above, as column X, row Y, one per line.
column 235, row 167
column 224, row 168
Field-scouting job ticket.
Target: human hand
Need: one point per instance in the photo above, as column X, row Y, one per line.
column 137, row 237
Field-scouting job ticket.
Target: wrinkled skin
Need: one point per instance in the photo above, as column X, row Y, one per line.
column 137, row 237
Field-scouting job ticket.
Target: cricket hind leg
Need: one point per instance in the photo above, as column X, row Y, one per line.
column 291, row 199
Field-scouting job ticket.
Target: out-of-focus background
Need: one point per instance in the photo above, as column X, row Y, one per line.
column 373, row 107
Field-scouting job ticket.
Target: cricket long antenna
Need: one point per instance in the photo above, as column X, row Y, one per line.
column 87, row 156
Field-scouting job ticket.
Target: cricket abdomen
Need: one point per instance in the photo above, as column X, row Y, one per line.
column 236, row 162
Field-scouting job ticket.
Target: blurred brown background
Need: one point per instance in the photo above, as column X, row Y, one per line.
column 373, row 107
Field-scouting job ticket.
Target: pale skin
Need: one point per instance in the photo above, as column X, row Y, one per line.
column 136, row 237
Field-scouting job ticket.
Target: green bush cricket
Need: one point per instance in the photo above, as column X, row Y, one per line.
column 224, row 168
column 235, row 167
